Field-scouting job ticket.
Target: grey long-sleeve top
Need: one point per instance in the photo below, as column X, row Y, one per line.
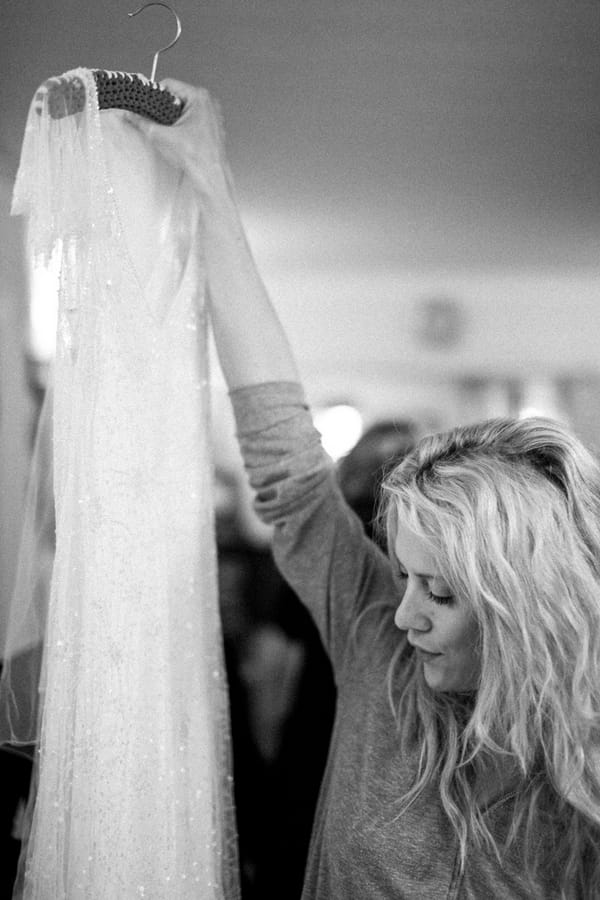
column 360, row 848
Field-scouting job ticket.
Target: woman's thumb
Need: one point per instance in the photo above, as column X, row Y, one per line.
column 133, row 119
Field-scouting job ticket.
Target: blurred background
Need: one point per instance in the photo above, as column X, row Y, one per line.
column 420, row 185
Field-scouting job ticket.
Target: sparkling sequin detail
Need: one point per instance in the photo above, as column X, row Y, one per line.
column 134, row 796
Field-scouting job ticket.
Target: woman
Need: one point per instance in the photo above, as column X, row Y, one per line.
column 475, row 773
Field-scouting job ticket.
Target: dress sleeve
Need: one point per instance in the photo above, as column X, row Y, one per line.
column 318, row 543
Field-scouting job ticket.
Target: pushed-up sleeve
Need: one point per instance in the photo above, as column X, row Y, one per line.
column 318, row 542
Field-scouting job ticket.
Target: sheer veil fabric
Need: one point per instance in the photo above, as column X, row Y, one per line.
column 134, row 787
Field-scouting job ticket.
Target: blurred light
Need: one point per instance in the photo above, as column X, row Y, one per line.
column 340, row 427
column 530, row 412
column 43, row 307
column 540, row 397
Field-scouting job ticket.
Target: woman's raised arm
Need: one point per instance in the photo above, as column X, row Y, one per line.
column 251, row 343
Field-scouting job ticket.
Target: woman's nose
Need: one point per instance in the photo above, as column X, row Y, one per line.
column 410, row 615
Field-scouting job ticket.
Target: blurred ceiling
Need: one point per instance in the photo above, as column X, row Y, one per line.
column 367, row 134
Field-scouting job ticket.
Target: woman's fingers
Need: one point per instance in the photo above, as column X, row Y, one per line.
column 185, row 92
column 195, row 141
column 181, row 88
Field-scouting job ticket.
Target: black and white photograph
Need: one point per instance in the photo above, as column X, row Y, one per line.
column 300, row 450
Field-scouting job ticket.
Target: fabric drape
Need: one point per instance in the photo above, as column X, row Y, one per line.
column 134, row 793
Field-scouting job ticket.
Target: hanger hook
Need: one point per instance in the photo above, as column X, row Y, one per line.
column 175, row 39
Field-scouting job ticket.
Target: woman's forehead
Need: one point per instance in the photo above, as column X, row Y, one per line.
column 413, row 551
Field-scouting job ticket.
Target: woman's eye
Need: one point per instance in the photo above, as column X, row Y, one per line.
column 400, row 579
column 443, row 601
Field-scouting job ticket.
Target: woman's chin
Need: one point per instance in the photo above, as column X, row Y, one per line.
column 435, row 680
column 446, row 682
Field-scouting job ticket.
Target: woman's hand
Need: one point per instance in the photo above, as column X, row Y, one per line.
column 251, row 343
column 195, row 143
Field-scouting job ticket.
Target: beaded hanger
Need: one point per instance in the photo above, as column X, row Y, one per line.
column 118, row 90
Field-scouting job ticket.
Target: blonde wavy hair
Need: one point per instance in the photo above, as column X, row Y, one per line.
column 511, row 511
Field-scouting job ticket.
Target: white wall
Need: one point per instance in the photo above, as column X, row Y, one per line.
column 15, row 403
column 363, row 337
column 522, row 321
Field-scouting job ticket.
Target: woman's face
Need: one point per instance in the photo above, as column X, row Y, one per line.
column 440, row 626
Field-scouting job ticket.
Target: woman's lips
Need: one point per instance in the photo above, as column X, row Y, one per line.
column 426, row 654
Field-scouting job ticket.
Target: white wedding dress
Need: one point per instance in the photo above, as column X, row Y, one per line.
column 134, row 787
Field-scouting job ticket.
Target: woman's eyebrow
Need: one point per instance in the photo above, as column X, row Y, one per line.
column 401, row 565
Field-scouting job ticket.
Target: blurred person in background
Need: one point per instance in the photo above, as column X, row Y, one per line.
column 362, row 470
column 282, row 701
column 281, row 684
